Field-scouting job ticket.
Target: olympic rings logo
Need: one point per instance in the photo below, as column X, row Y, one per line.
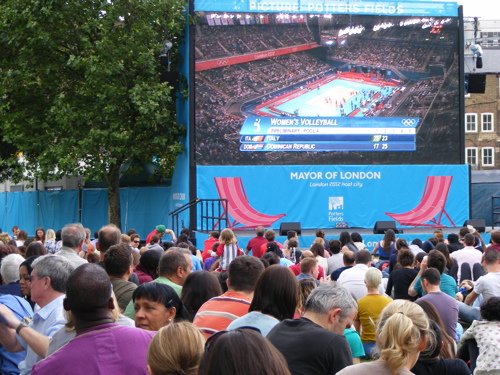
column 408, row 121
column 222, row 62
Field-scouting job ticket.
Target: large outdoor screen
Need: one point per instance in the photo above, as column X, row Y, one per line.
column 303, row 88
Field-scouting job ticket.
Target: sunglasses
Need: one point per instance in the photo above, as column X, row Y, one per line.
column 216, row 335
column 137, row 241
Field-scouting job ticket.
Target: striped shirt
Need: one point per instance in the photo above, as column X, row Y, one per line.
column 217, row 313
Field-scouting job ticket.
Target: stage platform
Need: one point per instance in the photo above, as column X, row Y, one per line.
column 307, row 236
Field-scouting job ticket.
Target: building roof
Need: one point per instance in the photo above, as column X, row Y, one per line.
column 491, row 62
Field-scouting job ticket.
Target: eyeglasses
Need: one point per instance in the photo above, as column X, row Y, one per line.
column 137, row 241
column 216, row 335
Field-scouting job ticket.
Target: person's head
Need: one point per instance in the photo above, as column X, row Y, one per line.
column 406, row 258
column 160, row 230
column 198, row 288
column 430, row 278
column 309, row 266
column 438, row 234
column 436, row 260
column 401, row 332
column 389, row 236
column 156, row 305
column 469, row 239
column 318, row 249
column 40, row 234
column 452, row 238
column 92, row 257
column 275, row 293
column 433, row 348
column 273, row 246
column 334, row 246
column 427, row 246
column 131, row 231
column 243, row 273
column 227, row 237
column 417, row 241
column 490, row 309
column 270, row 235
column 135, row 240
column 334, row 305
column 242, row 352
column 320, row 233
column 183, row 238
column 15, row 230
column 150, row 260
column 5, row 238
column 271, row 258
column 25, row 269
column 154, row 239
column 291, row 234
column 10, row 268
column 176, row 349
column 35, row 249
column 50, row 235
column 48, row 278
column 491, row 257
column 175, row 265
column 125, row 238
column 22, row 235
column 495, row 237
column 292, row 243
column 401, row 243
column 259, row 231
column 419, row 257
column 304, row 288
column 214, row 234
column 109, row 235
column 349, row 258
column 307, row 254
column 363, row 257
column 356, row 237
column 73, row 235
column 118, row 260
column 88, row 293
column 373, row 278
column 443, row 248
column 345, row 238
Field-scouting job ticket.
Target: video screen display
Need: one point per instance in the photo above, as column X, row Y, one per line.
column 277, row 88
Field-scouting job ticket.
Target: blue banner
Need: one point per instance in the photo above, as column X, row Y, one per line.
column 383, row 8
column 327, row 195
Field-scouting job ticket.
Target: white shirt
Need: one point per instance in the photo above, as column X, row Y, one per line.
column 353, row 279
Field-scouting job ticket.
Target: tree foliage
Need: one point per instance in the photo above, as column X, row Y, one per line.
column 79, row 87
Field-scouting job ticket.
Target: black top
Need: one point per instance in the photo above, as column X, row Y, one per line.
column 310, row 349
column 401, row 280
column 450, row 366
column 335, row 274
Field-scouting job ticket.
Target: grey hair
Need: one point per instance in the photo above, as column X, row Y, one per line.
column 72, row 235
column 56, row 267
column 180, row 250
column 10, row 268
column 331, row 296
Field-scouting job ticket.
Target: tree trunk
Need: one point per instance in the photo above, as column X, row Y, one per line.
column 113, row 180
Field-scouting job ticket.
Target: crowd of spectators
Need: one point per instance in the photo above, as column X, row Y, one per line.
column 269, row 308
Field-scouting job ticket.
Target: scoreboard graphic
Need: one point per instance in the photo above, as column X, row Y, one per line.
column 296, row 134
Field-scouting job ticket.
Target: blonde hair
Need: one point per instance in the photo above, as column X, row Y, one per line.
column 176, row 349
column 373, row 277
column 227, row 237
column 401, row 326
column 50, row 235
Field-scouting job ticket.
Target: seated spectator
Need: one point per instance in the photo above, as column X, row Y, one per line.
column 468, row 255
column 495, row 240
column 401, row 335
column 486, row 334
column 89, row 299
column 242, row 352
column 358, row 240
column 402, row 277
column 255, row 244
column 451, row 264
column 369, row 309
column 446, row 306
column 314, row 344
column 430, row 361
column 270, row 236
column 308, row 270
column 227, row 250
column 273, row 247
column 213, row 237
column 346, row 242
column 304, row 288
column 156, row 305
column 416, row 246
column 147, row 269
column 118, row 265
column 217, row 313
column 348, row 258
column 176, row 349
column 291, row 235
column 209, row 263
column 453, row 243
column 199, row 287
column 274, row 299
column 291, row 251
column 318, row 250
column 336, row 259
column 306, row 254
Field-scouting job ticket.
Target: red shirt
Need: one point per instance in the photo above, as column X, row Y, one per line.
column 254, row 244
column 263, row 248
column 296, row 270
column 207, row 247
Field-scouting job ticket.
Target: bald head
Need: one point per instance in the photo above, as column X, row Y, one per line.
column 307, row 254
column 88, row 290
column 109, row 235
column 349, row 257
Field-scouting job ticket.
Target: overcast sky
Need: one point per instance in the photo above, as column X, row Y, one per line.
column 486, row 9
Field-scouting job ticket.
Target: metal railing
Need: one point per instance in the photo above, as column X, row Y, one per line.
column 211, row 214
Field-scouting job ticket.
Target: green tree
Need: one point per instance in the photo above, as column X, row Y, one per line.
column 80, row 91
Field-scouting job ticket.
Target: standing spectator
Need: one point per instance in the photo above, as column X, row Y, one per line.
column 147, row 269
column 213, row 237
column 228, row 249
column 270, row 236
column 401, row 278
column 9, row 270
column 495, row 240
column 200, row 286
column 73, row 238
column 50, row 241
column 118, row 265
column 40, row 235
column 160, row 231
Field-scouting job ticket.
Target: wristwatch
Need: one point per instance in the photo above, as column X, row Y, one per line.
column 24, row 323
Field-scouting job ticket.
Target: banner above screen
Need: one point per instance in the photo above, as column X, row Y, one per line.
column 387, row 8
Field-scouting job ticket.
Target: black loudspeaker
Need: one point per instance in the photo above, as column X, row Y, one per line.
column 285, row 227
column 381, row 226
column 479, row 224
column 477, row 83
column 172, row 78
